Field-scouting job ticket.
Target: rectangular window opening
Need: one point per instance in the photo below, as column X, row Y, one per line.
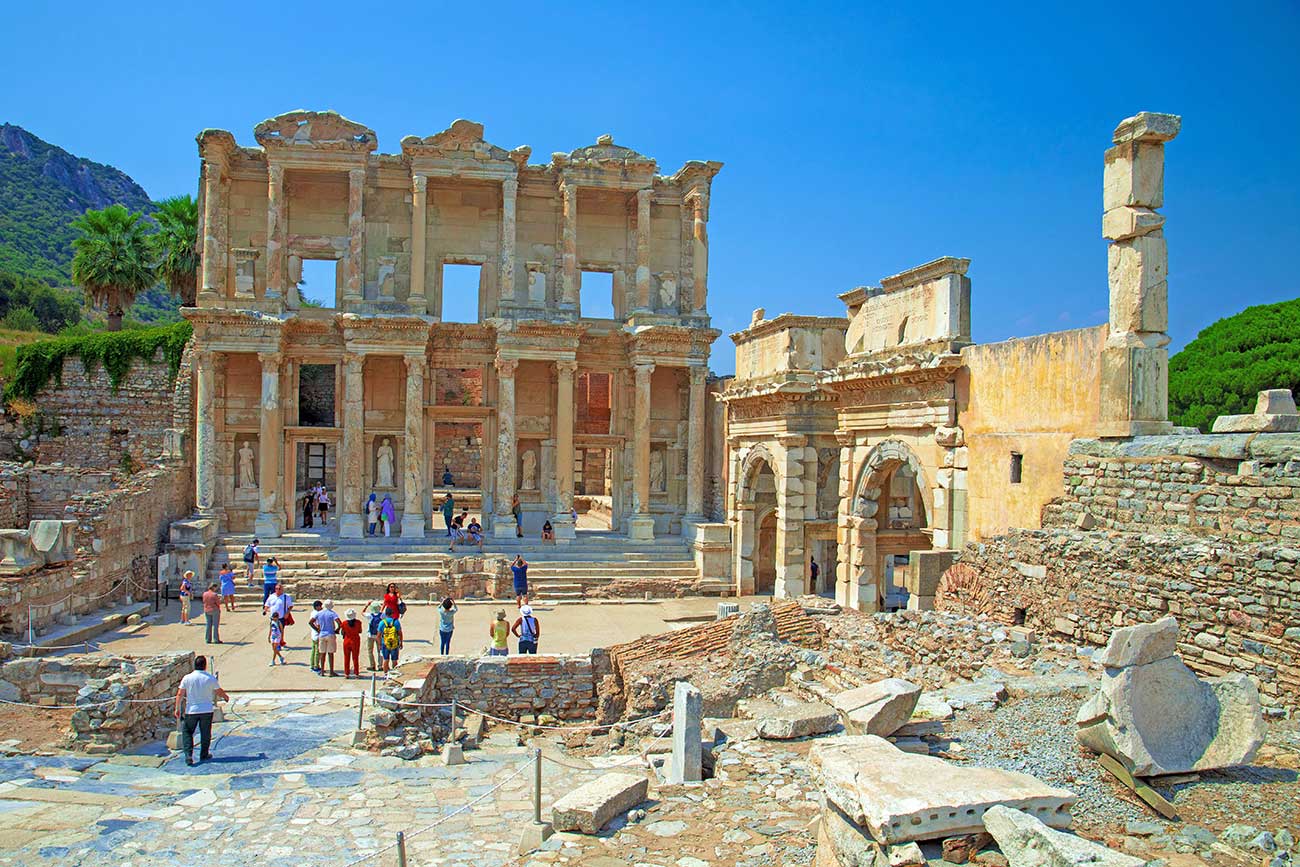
column 597, row 297
column 1018, row 617
column 316, row 395
column 460, row 292
column 1017, row 465
column 319, row 284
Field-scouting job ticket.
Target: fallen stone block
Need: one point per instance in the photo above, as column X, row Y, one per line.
column 1275, row 412
column 592, row 805
column 879, row 708
column 960, row 849
column 785, row 722
column 1140, row 644
column 897, row 797
column 1027, row 842
column 986, row 694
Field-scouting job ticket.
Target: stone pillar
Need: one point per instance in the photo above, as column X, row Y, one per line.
column 506, row 282
column 507, row 447
column 352, row 460
column 790, row 573
column 356, row 264
column 563, row 520
column 214, row 259
column 695, row 446
column 700, row 236
column 1135, row 362
column 686, row 764
column 641, row 525
column 205, row 439
column 270, row 439
column 569, row 278
column 275, row 251
column 643, row 250
column 419, row 227
column 413, row 519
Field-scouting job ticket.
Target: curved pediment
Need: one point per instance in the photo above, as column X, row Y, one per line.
column 605, row 151
column 461, row 141
column 317, row 130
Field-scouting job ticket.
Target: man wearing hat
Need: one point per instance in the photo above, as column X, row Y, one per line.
column 326, row 622
column 527, row 630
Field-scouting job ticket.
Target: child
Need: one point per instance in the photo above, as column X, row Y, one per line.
column 276, row 637
column 315, row 637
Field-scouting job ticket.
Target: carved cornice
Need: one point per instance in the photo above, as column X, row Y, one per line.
column 863, row 374
column 932, row 270
column 321, row 131
column 789, row 321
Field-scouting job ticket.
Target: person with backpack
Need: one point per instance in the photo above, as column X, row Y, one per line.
column 186, row 593
column 270, row 577
column 250, row 562
column 446, row 624
column 527, row 630
column 390, row 638
column 376, row 614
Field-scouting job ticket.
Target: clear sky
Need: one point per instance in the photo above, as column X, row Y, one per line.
column 859, row 140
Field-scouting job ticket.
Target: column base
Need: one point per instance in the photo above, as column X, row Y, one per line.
column 351, row 526
column 859, row 597
column 503, row 527
column 641, row 528
column 413, row 525
column 268, row 525
column 565, row 530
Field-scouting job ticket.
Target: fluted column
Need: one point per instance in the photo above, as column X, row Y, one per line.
column 270, row 516
column 563, row 521
column 642, row 524
column 643, row 249
column 413, row 520
column 695, row 446
column 213, row 276
column 419, row 226
column 569, row 279
column 352, row 461
column 205, row 439
column 356, row 264
column 506, row 280
column 275, row 231
column 700, row 238
column 507, row 447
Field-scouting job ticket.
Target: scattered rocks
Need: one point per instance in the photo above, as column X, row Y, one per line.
column 786, row 722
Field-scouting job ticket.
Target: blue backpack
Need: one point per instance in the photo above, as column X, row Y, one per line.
column 374, row 623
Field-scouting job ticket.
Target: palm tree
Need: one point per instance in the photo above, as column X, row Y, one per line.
column 176, row 246
column 112, row 262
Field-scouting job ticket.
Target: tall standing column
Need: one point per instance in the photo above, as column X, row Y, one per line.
column 419, row 226
column 506, row 280
column 700, row 236
column 351, row 461
column 213, row 282
column 643, row 249
column 695, row 446
column 413, row 520
column 569, row 285
column 275, row 231
column 790, row 496
column 205, row 440
column 642, row 523
column 506, row 447
column 270, row 517
column 356, row 236
column 563, row 520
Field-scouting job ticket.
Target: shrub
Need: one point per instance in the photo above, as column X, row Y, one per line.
column 40, row 362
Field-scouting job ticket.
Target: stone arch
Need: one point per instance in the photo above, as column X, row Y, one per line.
column 750, row 466
column 881, row 461
column 757, row 460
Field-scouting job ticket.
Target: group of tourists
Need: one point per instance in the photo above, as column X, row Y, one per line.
column 219, row 595
column 316, row 502
column 380, row 516
column 330, row 633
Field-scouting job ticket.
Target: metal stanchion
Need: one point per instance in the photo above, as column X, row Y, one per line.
column 401, row 849
column 537, row 785
column 451, row 735
column 372, row 686
column 31, row 632
column 361, row 711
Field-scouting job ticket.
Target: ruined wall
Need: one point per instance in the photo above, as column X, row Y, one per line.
column 458, row 447
column 1029, row 397
column 930, row 302
column 510, row 686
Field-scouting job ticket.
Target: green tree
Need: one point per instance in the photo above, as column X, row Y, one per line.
column 1231, row 361
column 176, row 246
column 112, row 261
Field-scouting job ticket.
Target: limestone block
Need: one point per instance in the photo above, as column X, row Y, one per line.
column 925, row 568
column 896, row 796
column 55, row 539
column 1147, row 126
column 1134, row 390
column 879, row 708
column 1275, row 412
column 592, row 805
column 1120, row 224
column 686, row 764
column 949, row 436
column 1141, row 644
column 786, row 722
column 18, row 554
column 1139, row 294
column 1027, row 842
column 1134, row 175
column 1275, row 401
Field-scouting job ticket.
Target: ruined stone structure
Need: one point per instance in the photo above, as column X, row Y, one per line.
column 381, row 394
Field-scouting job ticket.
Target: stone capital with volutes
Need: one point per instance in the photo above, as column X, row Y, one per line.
column 353, row 362
column 792, row 440
column 419, row 182
column 698, row 373
column 846, row 438
column 414, row 363
column 566, row 367
column 643, row 369
column 270, row 359
column 507, row 366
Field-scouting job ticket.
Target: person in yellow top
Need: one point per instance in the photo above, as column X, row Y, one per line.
column 499, row 631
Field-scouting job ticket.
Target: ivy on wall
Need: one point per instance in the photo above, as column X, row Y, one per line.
column 39, row 363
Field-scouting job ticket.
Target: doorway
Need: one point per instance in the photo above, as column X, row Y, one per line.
column 765, row 556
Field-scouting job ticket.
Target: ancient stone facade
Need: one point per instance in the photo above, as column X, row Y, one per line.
column 361, row 394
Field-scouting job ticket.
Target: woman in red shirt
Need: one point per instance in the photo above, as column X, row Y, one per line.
column 393, row 605
column 351, row 629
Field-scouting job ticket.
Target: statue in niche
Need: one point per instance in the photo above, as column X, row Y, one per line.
column 658, row 482
column 384, row 466
column 528, row 474
column 247, row 475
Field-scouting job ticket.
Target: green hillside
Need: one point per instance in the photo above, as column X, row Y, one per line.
column 1230, row 362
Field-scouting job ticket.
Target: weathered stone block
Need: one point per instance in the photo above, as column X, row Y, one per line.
column 786, row 722
column 1139, row 293
column 1120, row 224
column 592, row 805
column 1140, row 644
column 879, row 708
column 1027, row 842
column 1134, row 175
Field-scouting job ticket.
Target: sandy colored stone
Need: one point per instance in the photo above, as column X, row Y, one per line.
column 785, row 722
column 592, row 805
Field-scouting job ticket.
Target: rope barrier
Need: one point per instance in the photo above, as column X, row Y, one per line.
column 626, row 722
column 55, row 646
column 89, row 704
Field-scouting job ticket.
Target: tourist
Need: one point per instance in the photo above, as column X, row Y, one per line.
column 446, row 624
column 390, row 638
column 212, row 615
column 372, row 512
column 323, row 506
column 499, row 632
column 388, row 514
column 457, row 531
column 227, row 579
column 475, row 533
column 394, row 607
column 447, row 481
column 518, row 511
column 375, row 611
column 326, row 623
column 276, row 637
column 519, row 569
column 308, row 510
column 548, row 532
column 813, row 571
column 280, row 603
column 351, row 628
column 186, row 591
column 270, row 577
column 195, row 702
column 448, row 509
column 527, row 630
column 250, row 560
column 314, row 632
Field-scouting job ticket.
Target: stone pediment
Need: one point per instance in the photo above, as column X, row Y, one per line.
column 604, row 151
column 462, row 141
column 315, row 130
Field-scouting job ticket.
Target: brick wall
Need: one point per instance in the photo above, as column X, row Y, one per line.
column 454, row 386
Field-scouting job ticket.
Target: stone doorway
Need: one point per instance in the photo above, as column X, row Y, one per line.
column 765, row 556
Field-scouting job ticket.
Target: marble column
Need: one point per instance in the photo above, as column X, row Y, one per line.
column 205, row 440
column 506, row 280
column 413, row 520
column 790, row 494
column 356, row 264
column 700, row 237
column 695, row 446
column 563, row 520
column 643, row 249
column 642, row 524
column 419, row 227
column 504, row 524
column 214, row 260
column 270, row 516
column 351, row 463
column 569, row 278
column 275, row 252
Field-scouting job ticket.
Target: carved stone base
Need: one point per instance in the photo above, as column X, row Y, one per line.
column 268, row 525
column 413, row 525
column 641, row 528
column 351, row 526
column 565, row 530
column 503, row 527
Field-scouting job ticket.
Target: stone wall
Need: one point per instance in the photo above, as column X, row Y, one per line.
column 14, row 486
column 458, row 446
column 510, row 686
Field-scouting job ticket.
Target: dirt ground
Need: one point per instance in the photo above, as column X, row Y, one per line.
column 33, row 729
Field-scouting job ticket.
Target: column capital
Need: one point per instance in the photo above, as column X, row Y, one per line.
column 507, row 366
column 698, row 373
column 566, row 366
column 510, row 185
column 353, row 361
column 356, row 176
column 270, row 359
column 419, row 182
column 792, row 440
column 415, row 363
column 846, row 438
column 643, row 368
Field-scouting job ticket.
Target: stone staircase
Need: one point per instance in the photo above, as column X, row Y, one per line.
column 555, row 572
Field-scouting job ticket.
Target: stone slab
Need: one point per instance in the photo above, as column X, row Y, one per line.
column 592, row 805
column 879, row 708
column 897, row 797
column 781, row 722
column 1027, row 842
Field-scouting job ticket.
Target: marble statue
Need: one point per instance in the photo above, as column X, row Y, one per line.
column 528, row 477
column 657, row 480
column 247, row 475
column 384, row 466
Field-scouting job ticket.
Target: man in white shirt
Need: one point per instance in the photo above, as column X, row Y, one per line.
column 195, row 703
column 279, row 602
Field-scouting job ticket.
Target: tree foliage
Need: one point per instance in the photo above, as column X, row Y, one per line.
column 1230, row 362
column 176, row 246
column 39, row 363
column 112, row 259
column 51, row 309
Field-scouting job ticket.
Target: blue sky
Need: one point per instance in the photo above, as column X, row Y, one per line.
column 859, row 139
